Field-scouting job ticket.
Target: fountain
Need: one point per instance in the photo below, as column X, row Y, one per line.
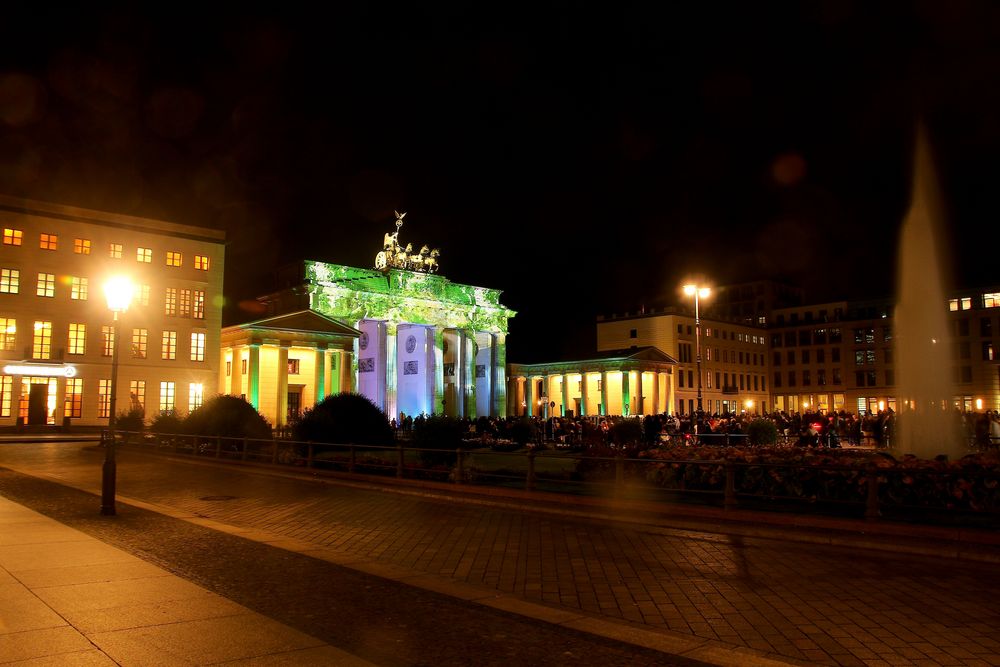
column 923, row 341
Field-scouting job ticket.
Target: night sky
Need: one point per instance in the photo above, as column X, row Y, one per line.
column 581, row 161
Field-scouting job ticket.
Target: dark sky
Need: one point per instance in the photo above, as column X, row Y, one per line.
column 582, row 161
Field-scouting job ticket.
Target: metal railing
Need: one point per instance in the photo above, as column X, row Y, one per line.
column 828, row 486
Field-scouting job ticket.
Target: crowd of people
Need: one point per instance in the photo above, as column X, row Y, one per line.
column 830, row 429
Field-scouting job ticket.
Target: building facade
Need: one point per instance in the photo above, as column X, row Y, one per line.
column 58, row 333
column 423, row 344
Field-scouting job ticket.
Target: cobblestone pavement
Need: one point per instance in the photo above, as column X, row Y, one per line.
column 810, row 603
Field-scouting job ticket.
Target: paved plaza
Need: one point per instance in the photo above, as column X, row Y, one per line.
column 625, row 591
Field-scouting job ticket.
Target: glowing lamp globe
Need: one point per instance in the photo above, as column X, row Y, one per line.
column 119, row 291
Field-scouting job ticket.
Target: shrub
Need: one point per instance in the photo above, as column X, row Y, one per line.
column 762, row 432
column 167, row 422
column 440, row 433
column 133, row 420
column 344, row 418
column 228, row 416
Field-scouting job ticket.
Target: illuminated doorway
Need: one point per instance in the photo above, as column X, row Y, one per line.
column 37, row 403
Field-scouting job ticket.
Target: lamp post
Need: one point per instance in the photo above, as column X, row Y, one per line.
column 699, row 292
column 118, row 292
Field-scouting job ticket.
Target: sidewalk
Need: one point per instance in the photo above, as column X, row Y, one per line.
column 67, row 598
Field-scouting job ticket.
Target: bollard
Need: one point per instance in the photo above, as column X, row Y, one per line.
column 729, row 500
column 350, row 465
column 399, row 465
column 529, row 482
column 871, row 506
column 459, row 466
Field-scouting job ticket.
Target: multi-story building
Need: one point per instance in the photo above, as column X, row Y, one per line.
column 58, row 333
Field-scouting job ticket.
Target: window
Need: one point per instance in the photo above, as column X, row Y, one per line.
column 48, row 241
column 81, row 246
column 78, row 288
column 963, row 326
column 198, row 311
column 821, row 377
column 6, row 390
column 198, row 347
column 680, row 378
column 10, row 281
column 805, row 356
column 8, row 334
column 777, row 380
column 835, row 335
column 185, row 308
column 836, row 376
column 859, row 335
column 820, row 356
column 791, row 378
column 708, row 354
column 859, row 357
column 143, row 299
column 986, row 327
column 789, row 339
column 293, row 366
column 137, row 395
column 869, row 357
column 107, row 340
column 953, row 305
column 169, row 346
column 887, row 333
column 73, row 406
column 170, row 307
column 819, row 336
column 835, row 355
column 201, row 262
column 988, row 354
column 144, row 255
column 104, row 399
column 859, row 378
column 708, row 379
column 166, row 397
column 806, row 378
column 890, row 377
column 140, row 339
column 12, row 237
column 196, row 393
column 805, row 337
column 872, row 379
column 887, row 352
column 174, row 258
column 41, row 346
column 791, row 356
column 991, row 300
column 77, row 338
column 966, row 303
column 718, row 381
column 963, row 350
column 46, row 285
column 776, row 340
column 965, row 374
column 115, row 250
column 690, row 378
column 680, row 328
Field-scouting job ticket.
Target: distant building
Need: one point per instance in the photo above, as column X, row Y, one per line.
column 56, row 330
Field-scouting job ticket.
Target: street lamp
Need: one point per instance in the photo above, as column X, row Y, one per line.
column 118, row 291
column 699, row 292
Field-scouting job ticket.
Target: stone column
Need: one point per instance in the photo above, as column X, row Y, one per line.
column 253, row 375
column 529, row 394
column 584, row 390
column 468, row 373
column 437, row 350
column 346, row 361
column 565, row 393
column 319, row 384
column 656, row 393
column 391, row 385
column 626, row 394
column 604, row 393
column 640, row 399
column 332, row 370
column 281, row 418
column 236, row 376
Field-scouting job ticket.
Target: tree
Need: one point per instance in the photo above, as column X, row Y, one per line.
column 345, row 418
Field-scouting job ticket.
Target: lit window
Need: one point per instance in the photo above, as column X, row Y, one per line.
column 991, row 300
column 48, row 241
column 81, row 246
column 174, row 258
column 8, row 334
column 988, row 354
column 78, row 289
column 967, row 303
column 199, row 305
column 104, row 399
column 169, row 348
column 77, row 338
column 10, row 281
column 107, row 340
column 170, row 307
column 115, row 250
column 143, row 295
column 12, row 236
column 73, row 406
column 139, row 342
column 6, row 390
column 46, row 285
column 137, row 394
column 185, row 303
column 201, row 262
column 144, row 255
column 196, row 393
column 166, row 397
column 41, row 346
column 293, row 366
column 197, row 346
